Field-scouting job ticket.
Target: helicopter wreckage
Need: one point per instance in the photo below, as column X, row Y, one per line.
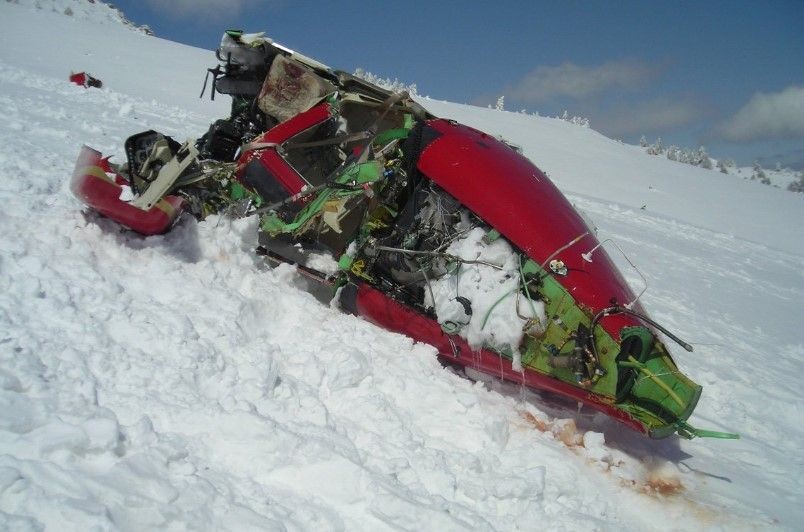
column 422, row 225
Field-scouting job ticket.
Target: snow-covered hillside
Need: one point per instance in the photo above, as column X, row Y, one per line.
column 177, row 382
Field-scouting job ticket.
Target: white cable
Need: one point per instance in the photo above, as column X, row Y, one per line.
column 588, row 258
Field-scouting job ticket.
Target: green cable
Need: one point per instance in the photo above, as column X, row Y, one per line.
column 634, row 363
column 527, row 290
column 488, row 313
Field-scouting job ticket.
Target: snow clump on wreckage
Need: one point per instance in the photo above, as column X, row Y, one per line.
column 420, row 224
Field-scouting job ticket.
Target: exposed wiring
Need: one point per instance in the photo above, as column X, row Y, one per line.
column 617, row 310
column 588, row 258
column 494, row 305
column 437, row 254
column 527, row 294
column 562, row 248
column 429, row 287
column 655, row 378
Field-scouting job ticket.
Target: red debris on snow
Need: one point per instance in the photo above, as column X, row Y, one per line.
column 85, row 80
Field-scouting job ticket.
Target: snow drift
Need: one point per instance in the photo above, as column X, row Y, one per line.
column 174, row 381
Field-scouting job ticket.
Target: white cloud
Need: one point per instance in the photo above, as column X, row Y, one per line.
column 777, row 115
column 574, row 81
column 181, row 8
column 658, row 115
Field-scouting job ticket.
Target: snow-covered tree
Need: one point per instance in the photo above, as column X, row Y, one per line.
column 721, row 165
column 759, row 174
column 656, row 148
column 577, row 120
column 702, row 158
column 580, row 121
column 673, row 153
column 798, row 185
column 386, row 83
column 643, row 142
column 500, row 103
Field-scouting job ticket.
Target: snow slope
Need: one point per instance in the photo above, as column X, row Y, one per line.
column 176, row 382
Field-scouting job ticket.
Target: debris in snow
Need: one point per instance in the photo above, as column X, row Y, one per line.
column 85, row 80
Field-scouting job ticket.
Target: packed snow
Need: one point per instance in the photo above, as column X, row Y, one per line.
column 177, row 382
column 486, row 275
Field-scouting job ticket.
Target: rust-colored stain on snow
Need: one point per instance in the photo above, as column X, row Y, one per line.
column 658, row 483
column 564, row 430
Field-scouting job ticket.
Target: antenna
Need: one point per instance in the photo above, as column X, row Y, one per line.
column 588, row 258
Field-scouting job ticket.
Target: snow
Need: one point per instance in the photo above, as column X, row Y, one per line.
column 487, row 279
column 177, row 382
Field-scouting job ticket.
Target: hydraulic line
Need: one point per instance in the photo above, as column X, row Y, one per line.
column 569, row 244
column 616, row 310
column 436, row 254
column 562, row 248
column 527, row 291
column 494, row 305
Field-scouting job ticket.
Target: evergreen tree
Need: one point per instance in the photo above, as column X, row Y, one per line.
column 798, row 185
column 759, row 174
column 386, row 83
column 656, row 148
column 702, row 158
column 673, row 153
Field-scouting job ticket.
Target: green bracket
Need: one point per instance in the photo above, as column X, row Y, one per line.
column 345, row 262
column 687, row 431
column 631, row 362
column 391, row 134
column 493, row 235
column 359, row 174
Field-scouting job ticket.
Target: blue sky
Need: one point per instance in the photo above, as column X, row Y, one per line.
column 728, row 75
